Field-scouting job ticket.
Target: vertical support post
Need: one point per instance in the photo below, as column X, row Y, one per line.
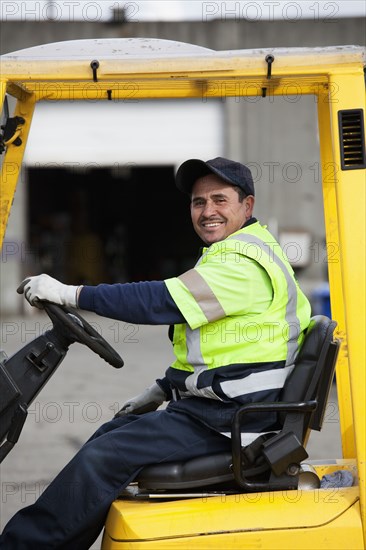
column 13, row 158
column 350, row 186
column 335, row 274
column 2, row 93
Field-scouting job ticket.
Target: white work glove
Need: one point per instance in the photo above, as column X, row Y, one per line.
column 44, row 287
column 147, row 401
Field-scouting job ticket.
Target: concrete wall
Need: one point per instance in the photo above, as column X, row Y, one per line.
column 217, row 34
column 276, row 136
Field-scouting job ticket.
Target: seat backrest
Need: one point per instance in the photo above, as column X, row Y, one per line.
column 314, row 367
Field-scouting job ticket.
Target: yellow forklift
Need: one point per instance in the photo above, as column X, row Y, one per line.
column 222, row 502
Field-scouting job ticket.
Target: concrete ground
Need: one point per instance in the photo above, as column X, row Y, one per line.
column 85, row 392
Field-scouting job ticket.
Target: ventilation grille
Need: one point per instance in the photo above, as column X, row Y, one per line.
column 352, row 137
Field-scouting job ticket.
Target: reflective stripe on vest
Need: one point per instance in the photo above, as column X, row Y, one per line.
column 203, row 295
column 257, row 382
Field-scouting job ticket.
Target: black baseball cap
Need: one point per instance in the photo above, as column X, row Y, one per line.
column 230, row 171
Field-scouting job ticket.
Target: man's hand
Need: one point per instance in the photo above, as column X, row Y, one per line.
column 149, row 400
column 44, row 287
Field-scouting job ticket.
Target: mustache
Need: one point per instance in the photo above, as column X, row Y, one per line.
column 211, row 219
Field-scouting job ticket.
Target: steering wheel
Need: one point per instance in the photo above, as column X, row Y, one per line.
column 81, row 331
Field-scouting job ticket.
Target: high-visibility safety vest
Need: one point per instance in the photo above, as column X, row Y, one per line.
column 228, row 350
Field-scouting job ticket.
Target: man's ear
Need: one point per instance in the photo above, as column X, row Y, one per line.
column 249, row 205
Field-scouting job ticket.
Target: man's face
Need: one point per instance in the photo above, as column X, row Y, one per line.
column 215, row 209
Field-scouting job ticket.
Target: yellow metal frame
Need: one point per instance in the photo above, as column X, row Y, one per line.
column 335, row 77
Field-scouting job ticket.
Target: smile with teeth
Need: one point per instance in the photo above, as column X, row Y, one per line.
column 212, row 224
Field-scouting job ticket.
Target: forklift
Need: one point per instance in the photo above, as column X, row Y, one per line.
column 257, row 497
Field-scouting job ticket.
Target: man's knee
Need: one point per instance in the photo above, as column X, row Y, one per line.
column 107, row 427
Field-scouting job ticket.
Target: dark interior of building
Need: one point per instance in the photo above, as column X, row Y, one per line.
column 109, row 225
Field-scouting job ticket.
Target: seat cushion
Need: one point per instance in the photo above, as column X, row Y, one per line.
column 198, row 472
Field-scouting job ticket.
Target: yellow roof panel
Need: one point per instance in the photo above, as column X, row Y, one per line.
column 148, row 55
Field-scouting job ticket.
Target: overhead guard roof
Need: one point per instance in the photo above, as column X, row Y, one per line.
column 128, row 51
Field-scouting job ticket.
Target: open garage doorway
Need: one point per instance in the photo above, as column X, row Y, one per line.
column 109, row 225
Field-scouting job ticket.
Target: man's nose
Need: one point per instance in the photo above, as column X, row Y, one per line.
column 210, row 209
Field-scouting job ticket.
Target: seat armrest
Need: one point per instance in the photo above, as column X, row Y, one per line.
column 275, row 406
column 302, row 408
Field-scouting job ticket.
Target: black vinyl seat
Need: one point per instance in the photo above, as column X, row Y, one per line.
column 272, row 461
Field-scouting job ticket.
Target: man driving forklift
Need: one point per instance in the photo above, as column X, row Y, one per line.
column 239, row 318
